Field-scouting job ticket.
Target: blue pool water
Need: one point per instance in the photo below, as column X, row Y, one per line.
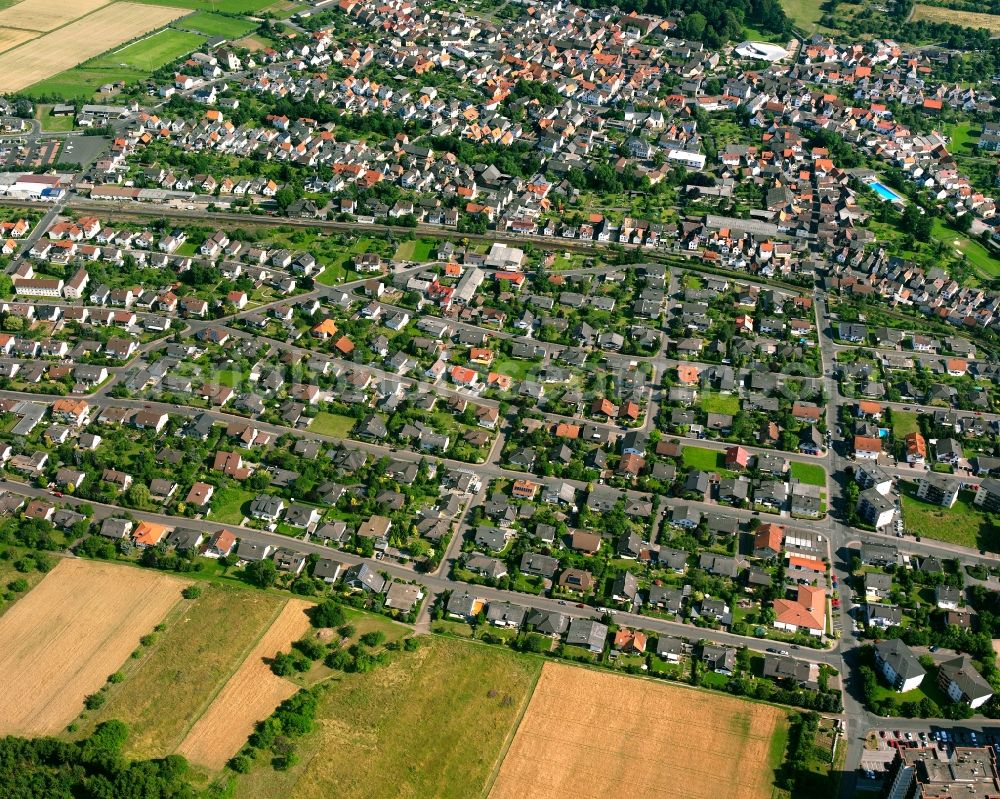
column 884, row 192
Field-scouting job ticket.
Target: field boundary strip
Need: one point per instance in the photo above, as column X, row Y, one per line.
column 238, row 661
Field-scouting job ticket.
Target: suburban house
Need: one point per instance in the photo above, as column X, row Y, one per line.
column 899, row 666
column 806, row 613
column 959, row 679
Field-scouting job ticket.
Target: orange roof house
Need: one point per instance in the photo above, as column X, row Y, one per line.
column 806, row 613
column 567, row 430
column 72, row 410
column 916, row 447
column 220, row 544
column 325, row 329
column 867, row 446
column 767, row 542
column 463, row 375
column 869, row 408
column 630, row 641
column 957, row 366
column 148, row 534
column 687, row 373
column 503, row 382
column 481, row 355
column 603, row 407
column 345, row 345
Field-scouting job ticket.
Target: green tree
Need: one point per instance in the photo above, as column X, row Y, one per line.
column 262, row 573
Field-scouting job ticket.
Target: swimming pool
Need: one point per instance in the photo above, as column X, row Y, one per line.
column 884, row 192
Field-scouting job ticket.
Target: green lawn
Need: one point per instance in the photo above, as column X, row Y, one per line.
column 433, row 723
column 51, row 123
column 904, row 423
column 720, row 403
column 216, row 25
column 962, row 524
column 229, row 505
column 150, row 53
column 336, row 272
column 82, row 84
column 928, row 689
column 704, row 459
column 964, row 137
column 332, row 424
column 810, row 473
column 803, row 13
column 416, row 250
column 976, row 253
column 515, row 368
column 692, row 281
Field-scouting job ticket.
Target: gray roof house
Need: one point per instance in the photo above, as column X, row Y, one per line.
column 587, row 633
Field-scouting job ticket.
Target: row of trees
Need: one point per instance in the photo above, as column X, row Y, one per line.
column 713, row 22
column 94, row 768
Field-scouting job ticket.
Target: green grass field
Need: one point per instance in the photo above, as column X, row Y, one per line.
column 332, row 424
column 513, row 367
column 150, row 53
column 720, row 403
column 810, row 473
column 82, row 84
column 803, row 13
column 904, row 423
column 415, row 250
column 961, row 524
column 222, row 6
column 976, row 253
column 216, row 25
column 704, row 459
column 964, row 137
column 51, row 123
column 431, row 725
column 169, row 688
column 228, row 505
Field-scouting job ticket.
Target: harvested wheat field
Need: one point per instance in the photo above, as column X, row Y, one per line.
column 77, row 626
column 593, row 734
column 46, row 15
column 11, row 37
column 87, row 37
column 250, row 695
column 202, row 647
column 969, row 19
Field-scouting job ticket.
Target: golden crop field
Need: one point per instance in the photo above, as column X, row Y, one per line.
column 85, row 38
column 12, row 37
column 968, row 19
column 251, row 694
column 77, row 626
column 589, row 735
column 46, row 15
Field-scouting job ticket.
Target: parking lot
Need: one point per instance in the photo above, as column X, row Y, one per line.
column 28, row 153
